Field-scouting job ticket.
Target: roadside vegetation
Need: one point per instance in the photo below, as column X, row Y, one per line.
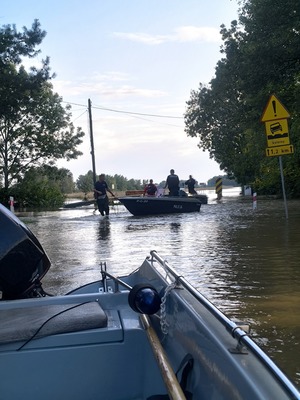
column 260, row 57
column 35, row 128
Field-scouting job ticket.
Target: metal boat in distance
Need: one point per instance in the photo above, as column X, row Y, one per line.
column 147, row 205
column 149, row 335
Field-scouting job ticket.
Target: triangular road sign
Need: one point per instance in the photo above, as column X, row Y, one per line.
column 274, row 110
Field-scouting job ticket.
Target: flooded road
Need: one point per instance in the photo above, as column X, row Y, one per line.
column 245, row 261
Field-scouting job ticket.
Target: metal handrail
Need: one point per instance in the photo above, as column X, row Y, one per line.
column 232, row 327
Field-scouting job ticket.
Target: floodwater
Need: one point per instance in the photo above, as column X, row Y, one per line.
column 245, row 261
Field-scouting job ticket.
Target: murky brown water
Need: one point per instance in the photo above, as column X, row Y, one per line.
column 246, row 262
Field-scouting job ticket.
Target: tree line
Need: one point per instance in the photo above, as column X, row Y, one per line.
column 260, row 57
column 47, row 187
column 120, row 183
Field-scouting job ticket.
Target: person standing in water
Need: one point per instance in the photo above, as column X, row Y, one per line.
column 100, row 190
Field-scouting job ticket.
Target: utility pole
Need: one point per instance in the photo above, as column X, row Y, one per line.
column 92, row 140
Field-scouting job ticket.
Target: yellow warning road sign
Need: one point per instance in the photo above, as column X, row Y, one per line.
column 277, row 132
column 279, row 151
column 274, row 110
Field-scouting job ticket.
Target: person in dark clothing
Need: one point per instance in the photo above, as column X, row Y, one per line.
column 100, row 190
column 150, row 189
column 191, row 185
column 172, row 183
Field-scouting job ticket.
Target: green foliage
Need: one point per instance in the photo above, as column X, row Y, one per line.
column 61, row 176
column 34, row 126
column 120, row 183
column 261, row 57
column 134, row 184
column 40, row 188
column 14, row 45
column 226, row 181
column 268, row 181
column 85, row 183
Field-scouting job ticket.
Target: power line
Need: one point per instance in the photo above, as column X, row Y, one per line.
column 156, row 122
column 136, row 113
column 79, row 116
column 125, row 112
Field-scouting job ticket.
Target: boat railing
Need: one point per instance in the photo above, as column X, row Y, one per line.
column 236, row 331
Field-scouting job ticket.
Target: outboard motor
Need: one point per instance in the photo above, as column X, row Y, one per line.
column 23, row 262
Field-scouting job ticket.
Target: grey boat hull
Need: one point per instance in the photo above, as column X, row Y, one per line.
column 116, row 361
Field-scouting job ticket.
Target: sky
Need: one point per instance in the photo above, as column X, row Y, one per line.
column 137, row 61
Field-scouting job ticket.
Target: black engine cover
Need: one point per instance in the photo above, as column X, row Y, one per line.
column 22, row 258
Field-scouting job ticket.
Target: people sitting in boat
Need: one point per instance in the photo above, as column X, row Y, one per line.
column 172, row 183
column 100, row 190
column 182, row 193
column 190, row 183
column 150, row 189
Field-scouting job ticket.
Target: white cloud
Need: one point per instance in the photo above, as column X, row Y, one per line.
column 181, row 34
column 143, row 37
column 194, row 33
column 132, row 91
column 112, row 76
column 103, row 85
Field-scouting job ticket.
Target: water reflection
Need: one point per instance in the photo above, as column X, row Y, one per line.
column 245, row 261
column 104, row 230
column 175, row 227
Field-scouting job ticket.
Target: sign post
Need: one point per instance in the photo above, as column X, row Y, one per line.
column 219, row 188
column 275, row 117
column 283, row 188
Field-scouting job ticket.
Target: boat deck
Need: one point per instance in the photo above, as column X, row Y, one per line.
column 107, row 354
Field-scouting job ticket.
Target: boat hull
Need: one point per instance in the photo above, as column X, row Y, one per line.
column 202, row 197
column 211, row 356
column 160, row 205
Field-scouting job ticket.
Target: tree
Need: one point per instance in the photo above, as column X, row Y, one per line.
column 259, row 60
column 118, row 182
column 219, row 114
column 274, row 55
column 40, row 188
column 62, row 176
column 85, row 183
column 34, row 126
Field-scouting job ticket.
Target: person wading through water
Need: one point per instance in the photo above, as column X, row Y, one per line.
column 100, row 190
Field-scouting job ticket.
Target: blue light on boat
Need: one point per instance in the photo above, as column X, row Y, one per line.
column 144, row 299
